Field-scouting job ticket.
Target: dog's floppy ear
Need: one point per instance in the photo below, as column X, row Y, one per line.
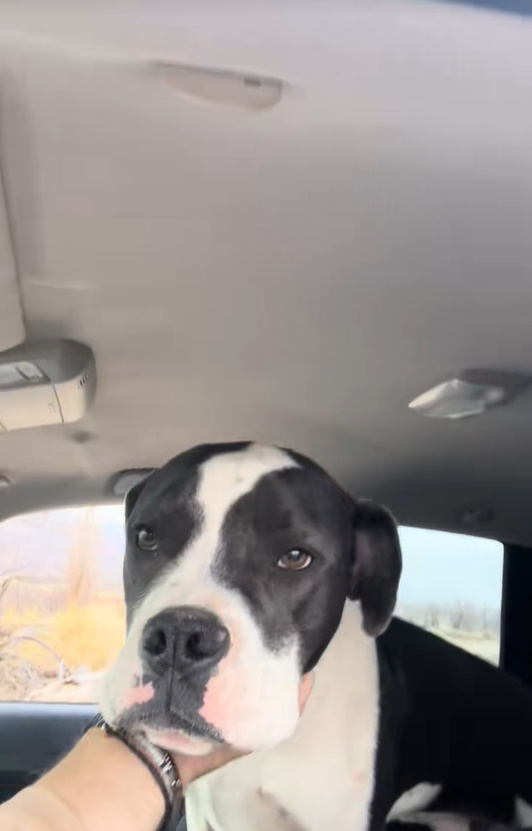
column 133, row 494
column 376, row 567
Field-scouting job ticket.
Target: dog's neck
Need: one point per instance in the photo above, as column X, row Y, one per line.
column 334, row 745
column 349, row 659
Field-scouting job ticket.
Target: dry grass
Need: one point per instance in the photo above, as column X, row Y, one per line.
column 87, row 636
column 56, row 630
column 42, row 649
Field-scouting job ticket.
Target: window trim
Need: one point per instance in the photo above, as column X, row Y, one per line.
column 516, row 612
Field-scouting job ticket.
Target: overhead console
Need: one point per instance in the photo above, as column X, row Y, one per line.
column 46, row 382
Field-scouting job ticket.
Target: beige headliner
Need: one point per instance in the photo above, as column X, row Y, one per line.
column 296, row 275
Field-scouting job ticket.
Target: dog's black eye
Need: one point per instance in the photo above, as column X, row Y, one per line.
column 296, row 560
column 146, row 540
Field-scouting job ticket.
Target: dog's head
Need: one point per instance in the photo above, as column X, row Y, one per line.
column 239, row 561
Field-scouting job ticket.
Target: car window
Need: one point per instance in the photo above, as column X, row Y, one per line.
column 452, row 586
column 62, row 617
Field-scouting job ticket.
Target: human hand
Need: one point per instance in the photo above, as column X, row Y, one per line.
column 192, row 767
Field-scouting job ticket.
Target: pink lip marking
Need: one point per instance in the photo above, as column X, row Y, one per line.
column 137, row 695
column 214, row 709
column 222, row 690
column 225, row 687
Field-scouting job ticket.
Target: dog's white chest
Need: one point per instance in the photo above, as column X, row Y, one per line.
column 323, row 776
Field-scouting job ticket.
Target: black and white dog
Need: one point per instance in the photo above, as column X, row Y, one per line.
column 247, row 567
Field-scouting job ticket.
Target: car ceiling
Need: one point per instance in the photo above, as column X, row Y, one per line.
column 295, row 275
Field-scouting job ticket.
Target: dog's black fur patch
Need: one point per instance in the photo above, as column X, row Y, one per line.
column 450, row 718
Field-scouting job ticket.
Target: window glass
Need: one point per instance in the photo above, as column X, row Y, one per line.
column 452, row 585
column 62, row 618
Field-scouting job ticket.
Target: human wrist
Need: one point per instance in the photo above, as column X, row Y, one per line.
column 159, row 763
column 104, row 785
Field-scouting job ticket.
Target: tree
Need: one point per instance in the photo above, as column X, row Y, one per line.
column 462, row 616
column 432, row 616
column 82, row 560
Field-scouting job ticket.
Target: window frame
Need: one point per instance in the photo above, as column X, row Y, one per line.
column 516, row 612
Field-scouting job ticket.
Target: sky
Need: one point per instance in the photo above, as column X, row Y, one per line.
column 437, row 567
column 444, row 568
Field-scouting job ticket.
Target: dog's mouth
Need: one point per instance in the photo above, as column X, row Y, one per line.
column 170, row 723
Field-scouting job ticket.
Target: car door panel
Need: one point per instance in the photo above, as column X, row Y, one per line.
column 33, row 737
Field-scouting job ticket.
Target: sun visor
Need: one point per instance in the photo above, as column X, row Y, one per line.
column 12, row 331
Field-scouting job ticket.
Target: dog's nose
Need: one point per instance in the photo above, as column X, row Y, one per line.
column 185, row 639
